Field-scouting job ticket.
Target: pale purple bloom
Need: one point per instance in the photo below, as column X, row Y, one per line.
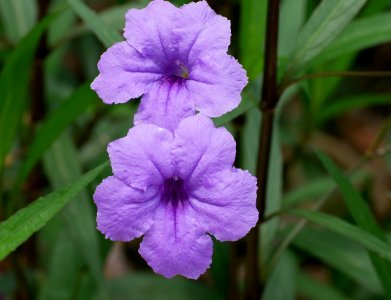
column 176, row 189
column 177, row 58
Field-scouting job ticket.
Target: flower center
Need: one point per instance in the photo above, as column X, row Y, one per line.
column 181, row 69
column 173, row 191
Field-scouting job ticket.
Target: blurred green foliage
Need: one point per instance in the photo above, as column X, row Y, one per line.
column 53, row 129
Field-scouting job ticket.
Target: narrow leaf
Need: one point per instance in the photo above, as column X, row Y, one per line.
column 152, row 287
column 83, row 99
column 14, row 93
column 252, row 35
column 246, row 104
column 106, row 34
column 18, row 17
column 248, row 160
column 360, row 34
column 342, row 105
column 314, row 189
column 20, row 226
column 281, row 284
column 350, row 231
column 64, row 265
column 316, row 290
column 362, row 216
column 78, row 215
column 292, row 17
column 324, row 25
column 341, row 254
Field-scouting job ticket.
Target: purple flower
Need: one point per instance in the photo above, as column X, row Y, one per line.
column 177, row 58
column 176, row 189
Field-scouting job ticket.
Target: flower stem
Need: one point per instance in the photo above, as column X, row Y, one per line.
column 269, row 99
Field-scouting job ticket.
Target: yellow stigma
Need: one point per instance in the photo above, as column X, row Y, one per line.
column 183, row 70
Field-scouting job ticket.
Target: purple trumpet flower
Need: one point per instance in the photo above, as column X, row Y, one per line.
column 176, row 188
column 177, row 58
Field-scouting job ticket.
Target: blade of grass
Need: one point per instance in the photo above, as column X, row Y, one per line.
column 325, row 24
column 348, row 230
column 106, row 34
column 316, row 290
column 360, row 34
column 20, row 226
column 281, row 284
column 152, row 287
column 81, row 100
column 342, row 105
column 14, row 94
column 341, row 254
column 18, row 17
column 252, row 35
column 78, row 215
column 64, row 265
column 363, row 217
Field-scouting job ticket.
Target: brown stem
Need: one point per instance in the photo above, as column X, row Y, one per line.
column 269, row 99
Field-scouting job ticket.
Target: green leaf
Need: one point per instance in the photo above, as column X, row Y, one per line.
column 314, row 189
column 18, row 17
column 309, row 191
column 246, row 103
column 56, row 122
column 78, row 215
column 115, row 16
column 324, row 25
column 61, row 27
column 14, row 93
column 360, row 34
column 106, row 34
column 221, row 266
column 292, row 17
column 65, row 263
column 323, row 88
column 356, row 205
column 316, row 290
column 373, row 7
column 350, row 231
column 341, row 254
column 342, row 105
column 363, row 217
column 248, row 156
column 281, row 285
column 252, row 35
column 152, row 287
column 20, row 226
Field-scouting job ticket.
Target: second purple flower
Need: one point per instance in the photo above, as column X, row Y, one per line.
column 175, row 189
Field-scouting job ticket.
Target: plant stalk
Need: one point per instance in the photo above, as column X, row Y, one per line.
column 269, row 99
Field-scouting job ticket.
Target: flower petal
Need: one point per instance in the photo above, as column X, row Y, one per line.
column 202, row 30
column 175, row 244
column 124, row 213
column 149, row 30
column 216, row 82
column 226, row 204
column 142, row 158
column 125, row 73
column 170, row 33
column 166, row 105
column 201, row 148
